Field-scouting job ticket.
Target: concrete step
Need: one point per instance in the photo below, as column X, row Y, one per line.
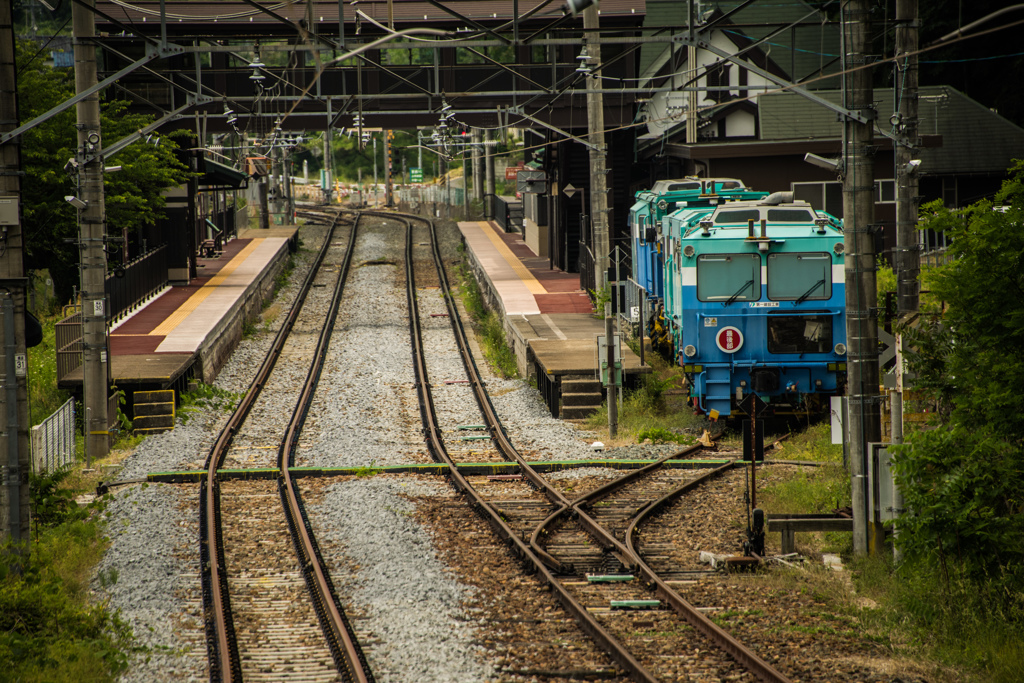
column 587, row 399
column 147, row 422
column 148, row 409
column 580, row 386
column 148, row 431
column 156, row 396
column 578, row 412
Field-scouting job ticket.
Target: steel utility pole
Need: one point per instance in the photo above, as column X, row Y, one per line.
column 14, row 416
column 861, row 314
column 92, row 232
column 598, row 172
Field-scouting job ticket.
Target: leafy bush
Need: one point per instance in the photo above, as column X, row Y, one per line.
column 205, row 396
column 53, row 503
column 962, row 481
column 49, row 629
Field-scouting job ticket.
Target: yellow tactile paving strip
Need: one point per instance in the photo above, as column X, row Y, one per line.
column 206, row 290
column 522, row 271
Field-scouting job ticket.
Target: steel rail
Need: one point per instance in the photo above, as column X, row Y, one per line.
column 630, row 558
column 435, row 444
column 608, row 540
column 222, row 647
column 348, row 655
column 742, row 654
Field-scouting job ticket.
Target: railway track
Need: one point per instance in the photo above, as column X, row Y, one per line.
column 271, row 613
column 608, row 527
column 558, row 537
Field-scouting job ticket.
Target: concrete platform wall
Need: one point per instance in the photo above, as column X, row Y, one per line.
column 221, row 343
column 513, row 338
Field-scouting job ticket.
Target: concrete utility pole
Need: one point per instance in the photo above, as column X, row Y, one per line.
column 598, row 172
column 861, row 303
column 329, row 186
column 478, row 167
column 489, row 173
column 14, row 417
column 92, row 231
column 908, row 255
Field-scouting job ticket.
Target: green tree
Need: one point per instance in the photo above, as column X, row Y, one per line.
column 963, row 481
column 133, row 195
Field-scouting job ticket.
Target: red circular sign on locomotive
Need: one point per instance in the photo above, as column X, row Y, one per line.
column 729, row 339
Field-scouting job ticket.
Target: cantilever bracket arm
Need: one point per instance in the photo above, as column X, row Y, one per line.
column 121, row 144
column 152, row 53
column 470, row 22
column 518, row 111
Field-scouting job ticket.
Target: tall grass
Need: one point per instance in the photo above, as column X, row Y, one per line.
column 646, row 413
column 43, row 395
column 809, row 489
column 488, row 324
column 972, row 630
column 50, row 629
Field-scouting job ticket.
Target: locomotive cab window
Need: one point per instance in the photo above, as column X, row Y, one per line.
column 789, row 216
column 737, row 216
column 729, row 277
column 799, row 277
column 799, row 333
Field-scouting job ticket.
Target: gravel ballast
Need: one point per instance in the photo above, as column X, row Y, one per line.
column 365, row 414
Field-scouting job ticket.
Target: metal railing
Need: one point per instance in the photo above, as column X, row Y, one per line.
column 634, row 306
column 508, row 213
column 53, row 440
column 141, row 278
column 68, row 341
column 588, row 277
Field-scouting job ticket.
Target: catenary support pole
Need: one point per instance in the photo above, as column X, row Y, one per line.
column 489, row 175
column 861, row 313
column 908, row 255
column 478, row 167
column 92, row 232
column 14, row 430
column 598, row 172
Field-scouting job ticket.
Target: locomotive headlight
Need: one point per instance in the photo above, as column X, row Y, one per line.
column 839, row 248
column 690, row 350
column 840, row 349
column 689, row 251
column 662, row 204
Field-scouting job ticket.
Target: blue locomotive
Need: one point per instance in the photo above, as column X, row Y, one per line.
column 652, row 206
column 754, row 301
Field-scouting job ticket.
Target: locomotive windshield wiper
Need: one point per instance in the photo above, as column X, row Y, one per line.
column 739, row 291
column 806, row 294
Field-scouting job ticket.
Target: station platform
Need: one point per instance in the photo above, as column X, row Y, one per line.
column 548, row 318
column 189, row 331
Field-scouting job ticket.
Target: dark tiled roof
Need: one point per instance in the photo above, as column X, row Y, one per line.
column 974, row 139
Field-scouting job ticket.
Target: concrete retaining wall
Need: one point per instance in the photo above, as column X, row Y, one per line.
column 513, row 337
column 221, row 342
